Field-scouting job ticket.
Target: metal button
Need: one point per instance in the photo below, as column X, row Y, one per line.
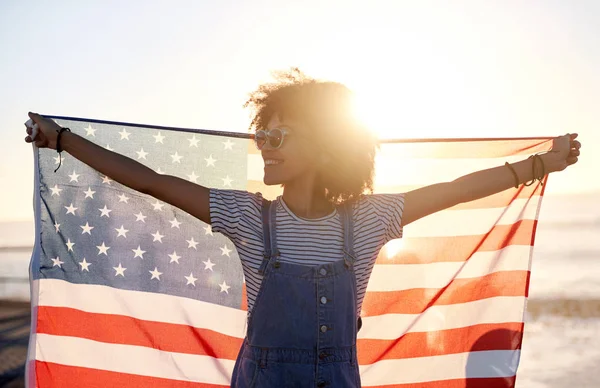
column 323, row 271
column 323, row 300
column 323, row 329
column 323, row 355
column 276, row 264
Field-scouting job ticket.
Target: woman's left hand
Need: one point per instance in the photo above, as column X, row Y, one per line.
column 565, row 152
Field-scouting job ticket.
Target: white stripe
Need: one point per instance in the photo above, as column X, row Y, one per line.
column 142, row 305
column 498, row 309
column 469, row 222
column 137, row 360
column 493, row 363
column 398, row 277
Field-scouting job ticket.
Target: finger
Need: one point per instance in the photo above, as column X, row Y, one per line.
column 35, row 117
column 573, row 135
column 28, row 139
column 574, row 153
column 28, row 130
column 576, row 144
column 572, row 160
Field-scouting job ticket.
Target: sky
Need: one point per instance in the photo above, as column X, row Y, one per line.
column 418, row 68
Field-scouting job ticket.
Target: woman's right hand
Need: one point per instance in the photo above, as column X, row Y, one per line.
column 47, row 134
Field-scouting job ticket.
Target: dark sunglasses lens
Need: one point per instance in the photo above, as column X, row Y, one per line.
column 260, row 138
column 275, row 138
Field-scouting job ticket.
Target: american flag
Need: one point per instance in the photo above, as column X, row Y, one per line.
column 128, row 291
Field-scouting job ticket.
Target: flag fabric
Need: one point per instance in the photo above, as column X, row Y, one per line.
column 128, row 291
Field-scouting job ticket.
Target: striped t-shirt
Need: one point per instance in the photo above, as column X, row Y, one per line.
column 237, row 214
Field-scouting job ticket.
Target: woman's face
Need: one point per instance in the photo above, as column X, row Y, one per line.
column 294, row 160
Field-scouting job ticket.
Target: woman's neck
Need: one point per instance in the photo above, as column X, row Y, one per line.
column 306, row 199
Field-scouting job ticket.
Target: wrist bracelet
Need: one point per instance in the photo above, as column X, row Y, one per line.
column 58, row 147
column 514, row 174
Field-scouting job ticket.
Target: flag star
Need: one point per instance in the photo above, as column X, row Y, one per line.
column 176, row 157
column 87, row 228
column 192, row 243
column 208, row 264
column 90, row 131
column 193, row 177
column 105, row 212
column 155, row 274
column 140, row 217
column 106, row 180
column 158, row 138
column 191, row 279
column 157, row 237
column 121, row 231
column 141, row 154
column 84, row 265
column 57, row 159
column 225, row 251
column 174, row 257
column 108, row 147
column 120, row 270
column 124, row 134
column 193, row 141
column 227, row 181
column 228, row 145
column 89, row 193
column 175, row 223
column 69, row 245
column 224, row 287
column 158, row 206
column 138, row 253
column 57, row 226
column 208, row 230
column 73, row 177
column 56, row 262
column 55, row 190
column 123, row 198
column 210, row 161
column 71, row 209
column 102, row 249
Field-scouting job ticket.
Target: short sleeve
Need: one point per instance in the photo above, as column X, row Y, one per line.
column 389, row 209
column 232, row 211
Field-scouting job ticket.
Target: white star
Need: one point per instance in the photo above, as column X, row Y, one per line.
column 123, row 198
column 57, row 226
column 228, row 145
column 193, row 141
column 191, row 279
column 208, row 230
column 193, row 177
column 121, row 231
column 141, row 154
column 106, row 180
column 192, row 243
column 108, row 148
column 84, row 265
column 176, row 157
column 102, row 249
column 73, row 177
column 175, row 223
column 157, row 237
column 159, row 171
column 208, row 264
column 174, row 257
column 120, row 270
column 90, row 131
column 87, row 228
column 124, row 134
column 89, row 193
column 138, row 253
column 69, row 245
column 210, row 161
column 227, row 181
column 155, row 274
column 158, row 138
column 55, row 190
column 105, row 212
column 57, row 159
column 225, row 251
column 56, row 262
column 158, row 206
column 71, row 209
column 140, row 217
column 224, row 287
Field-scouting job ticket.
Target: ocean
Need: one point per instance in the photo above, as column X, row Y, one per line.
column 561, row 346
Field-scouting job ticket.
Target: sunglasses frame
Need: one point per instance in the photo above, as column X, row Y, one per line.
column 284, row 131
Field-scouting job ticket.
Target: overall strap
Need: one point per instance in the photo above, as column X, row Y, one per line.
column 348, row 227
column 268, row 211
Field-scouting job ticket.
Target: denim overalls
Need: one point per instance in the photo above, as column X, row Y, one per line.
column 302, row 328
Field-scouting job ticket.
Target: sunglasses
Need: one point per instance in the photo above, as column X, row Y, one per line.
column 273, row 137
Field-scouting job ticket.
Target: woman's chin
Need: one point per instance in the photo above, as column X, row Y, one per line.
column 271, row 180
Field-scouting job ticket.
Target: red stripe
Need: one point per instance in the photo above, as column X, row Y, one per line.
column 489, row 382
column 417, row 300
column 499, row 336
column 119, row 329
column 49, row 374
column 421, row 250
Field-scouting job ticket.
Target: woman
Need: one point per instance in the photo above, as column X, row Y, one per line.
column 308, row 255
